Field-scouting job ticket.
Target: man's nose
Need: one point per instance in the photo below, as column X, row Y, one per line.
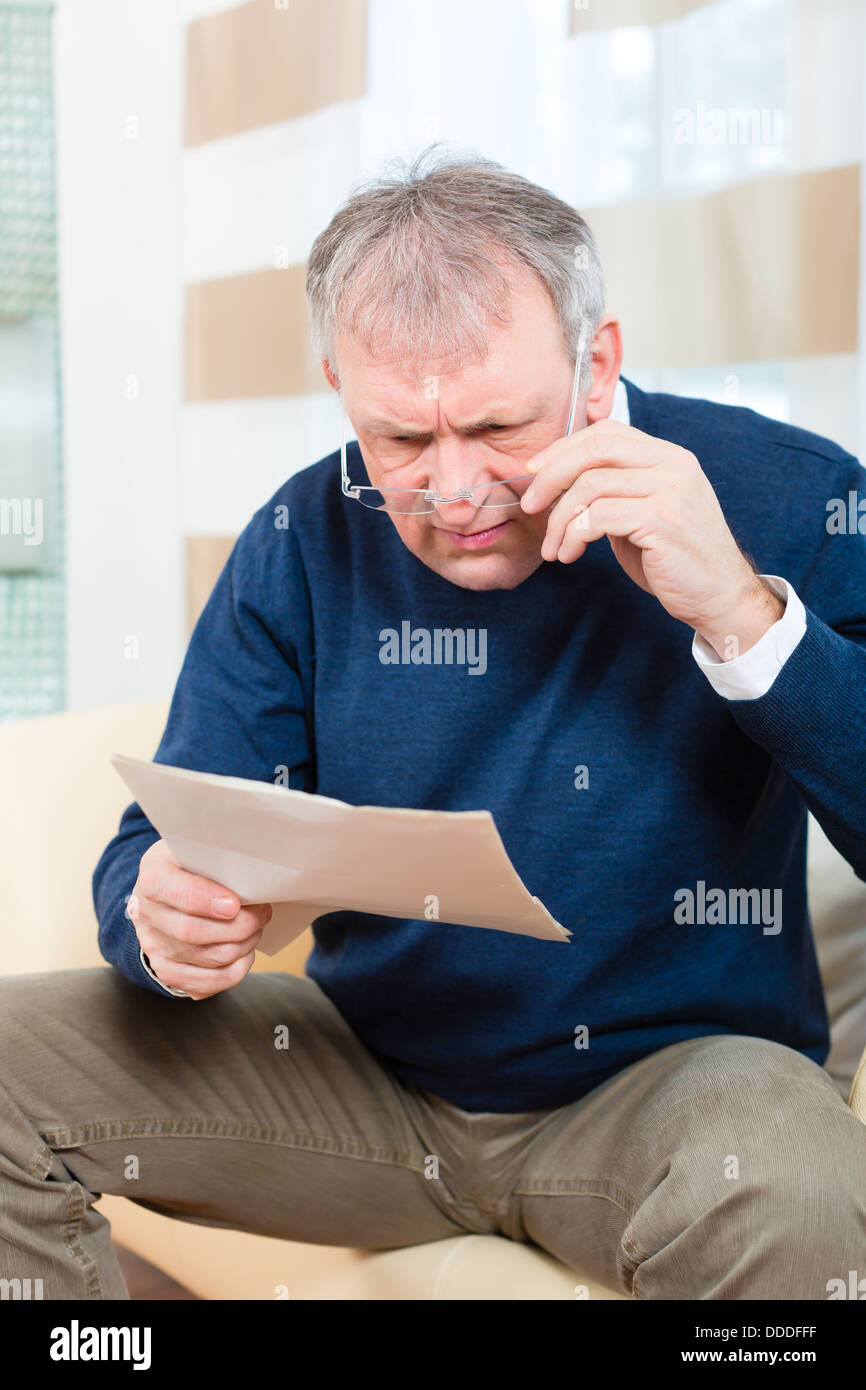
column 455, row 464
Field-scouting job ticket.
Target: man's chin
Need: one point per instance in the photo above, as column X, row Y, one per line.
column 492, row 571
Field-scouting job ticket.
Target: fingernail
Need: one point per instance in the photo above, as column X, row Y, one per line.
column 223, row 907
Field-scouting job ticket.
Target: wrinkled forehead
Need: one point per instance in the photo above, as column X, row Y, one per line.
column 521, row 357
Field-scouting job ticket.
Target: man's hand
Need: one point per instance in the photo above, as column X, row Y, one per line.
column 194, row 932
column 665, row 525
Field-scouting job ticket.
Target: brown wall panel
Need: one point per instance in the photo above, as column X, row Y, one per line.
column 205, row 558
column 248, row 335
column 766, row 269
column 257, row 64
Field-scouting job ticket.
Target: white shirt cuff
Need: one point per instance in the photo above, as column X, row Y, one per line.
column 750, row 676
column 180, row 993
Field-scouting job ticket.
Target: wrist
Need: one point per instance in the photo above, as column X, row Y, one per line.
column 744, row 621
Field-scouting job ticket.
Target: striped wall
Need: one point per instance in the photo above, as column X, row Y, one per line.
column 735, row 261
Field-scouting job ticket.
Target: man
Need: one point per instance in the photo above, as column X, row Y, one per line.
column 653, row 713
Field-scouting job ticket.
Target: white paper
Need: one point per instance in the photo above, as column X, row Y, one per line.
column 313, row 854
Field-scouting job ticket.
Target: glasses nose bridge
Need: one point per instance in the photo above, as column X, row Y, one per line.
column 453, row 474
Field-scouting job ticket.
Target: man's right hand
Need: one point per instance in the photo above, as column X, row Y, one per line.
column 194, row 932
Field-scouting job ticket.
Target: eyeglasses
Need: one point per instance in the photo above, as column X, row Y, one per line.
column 492, row 494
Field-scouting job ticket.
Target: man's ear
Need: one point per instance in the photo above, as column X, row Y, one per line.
column 333, row 380
column 606, row 362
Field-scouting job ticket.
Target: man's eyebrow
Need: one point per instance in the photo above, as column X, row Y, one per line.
column 392, row 427
column 531, row 409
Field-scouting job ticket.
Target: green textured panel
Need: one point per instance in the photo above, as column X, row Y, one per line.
column 32, row 614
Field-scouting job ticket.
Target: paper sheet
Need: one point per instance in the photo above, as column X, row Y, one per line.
column 314, row 854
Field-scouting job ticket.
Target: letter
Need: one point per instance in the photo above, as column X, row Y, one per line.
column 717, row 126
column 141, row 1348
column 835, row 1289
column 114, row 1344
column 684, row 914
column 59, row 1349
column 88, row 1344
column 451, row 637
column 581, row 1037
column 774, row 919
column 581, row 780
column 701, row 902
column 33, row 533
column 405, row 642
column 10, row 516
column 684, row 126
column 389, row 653
column 836, row 523
column 421, row 654
column 718, row 907
column 744, row 905
column 478, row 661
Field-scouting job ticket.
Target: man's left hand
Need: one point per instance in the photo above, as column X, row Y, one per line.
column 654, row 502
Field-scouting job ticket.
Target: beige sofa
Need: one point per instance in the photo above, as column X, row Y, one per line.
column 60, row 802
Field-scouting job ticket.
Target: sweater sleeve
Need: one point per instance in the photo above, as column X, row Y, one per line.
column 813, row 717
column 239, row 708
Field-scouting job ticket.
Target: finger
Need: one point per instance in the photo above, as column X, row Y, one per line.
column 202, row 931
column 197, row 982
column 609, row 516
column 562, row 463
column 214, row 955
column 589, row 487
column 161, row 880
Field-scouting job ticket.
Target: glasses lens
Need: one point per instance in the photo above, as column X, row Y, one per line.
column 500, row 494
column 484, row 495
column 394, row 500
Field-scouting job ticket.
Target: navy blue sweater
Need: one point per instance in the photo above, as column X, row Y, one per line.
column 582, row 669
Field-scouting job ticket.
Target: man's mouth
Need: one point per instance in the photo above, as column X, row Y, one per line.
column 476, row 540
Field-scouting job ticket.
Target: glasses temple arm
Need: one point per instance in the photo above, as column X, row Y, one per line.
column 576, row 384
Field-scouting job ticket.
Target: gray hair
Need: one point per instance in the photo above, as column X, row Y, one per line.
column 414, row 259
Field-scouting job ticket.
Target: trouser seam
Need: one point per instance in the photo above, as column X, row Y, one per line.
column 77, row 1206
column 41, row 1165
column 587, row 1187
column 592, row 1187
column 153, row 1126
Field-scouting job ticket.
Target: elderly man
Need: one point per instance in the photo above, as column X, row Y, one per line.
column 674, row 669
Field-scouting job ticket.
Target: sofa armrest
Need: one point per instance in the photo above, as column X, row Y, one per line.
column 857, row 1095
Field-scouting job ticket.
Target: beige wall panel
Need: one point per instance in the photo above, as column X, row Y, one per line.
column 248, row 335
column 257, row 64
column 205, row 558
column 766, row 269
column 615, row 14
